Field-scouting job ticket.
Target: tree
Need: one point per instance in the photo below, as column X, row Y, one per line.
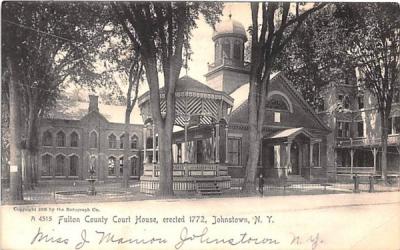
column 371, row 31
column 47, row 44
column 161, row 30
column 268, row 39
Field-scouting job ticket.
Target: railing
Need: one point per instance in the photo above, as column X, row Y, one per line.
column 392, row 140
column 355, row 170
column 228, row 62
column 189, row 170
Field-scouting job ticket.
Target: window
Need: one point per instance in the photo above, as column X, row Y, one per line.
column 93, row 139
column 60, row 162
column 315, row 160
column 111, row 166
column 345, row 100
column 394, row 122
column 47, row 138
column 277, row 102
column 360, row 129
column 134, row 140
column 343, row 157
column 236, row 50
column 46, row 165
column 134, row 169
column 226, row 48
column 73, row 165
column 360, row 102
column 121, row 165
column 74, row 138
column 396, row 95
column 179, row 156
column 343, row 129
column 112, row 141
column 234, row 147
column 217, row 52
column 277, row 117
column 121, row 141
column 60, row 139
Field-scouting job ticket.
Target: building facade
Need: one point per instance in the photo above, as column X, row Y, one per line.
column 76, row 136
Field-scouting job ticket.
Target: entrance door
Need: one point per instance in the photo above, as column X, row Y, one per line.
column 294, row 159
column 199, row 151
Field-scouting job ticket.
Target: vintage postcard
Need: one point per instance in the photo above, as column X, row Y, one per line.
column 200, row 125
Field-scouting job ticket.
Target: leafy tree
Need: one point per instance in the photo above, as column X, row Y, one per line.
column 371, row 32
column 44, row 45
column 268, row 39
column 162, row 30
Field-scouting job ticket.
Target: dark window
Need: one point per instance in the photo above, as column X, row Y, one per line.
column 360, row 129
column 134, row 167
column 60, row 162
column 74, row 139
column 315, row 159
column 234, row 148
column 46, row 165
column 343, row 129
column 111, row 165
column 346, row 102
column 121, row 165
column 61, row 139
column 396, row 124
column 236, row 50
column 112, row 141
column 134, row 140
column 217, row 52
column 179, row 157
column 360, row 102
column 47, row 139
column 121, row 141
column 343, row 157
column 73, row 165
column 93, row 139
column 277, row 102
column 226, row 48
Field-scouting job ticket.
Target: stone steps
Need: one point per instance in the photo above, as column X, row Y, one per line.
column 208, row 188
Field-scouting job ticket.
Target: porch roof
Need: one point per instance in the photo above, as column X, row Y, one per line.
column 291, row 133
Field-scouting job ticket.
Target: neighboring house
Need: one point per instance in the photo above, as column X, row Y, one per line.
column 355, row 146
column 75, row 135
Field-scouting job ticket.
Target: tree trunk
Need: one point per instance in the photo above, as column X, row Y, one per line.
column 31, row 143
column 165, row 160
column 15, row 137
column 384, row 140
column 125, row 182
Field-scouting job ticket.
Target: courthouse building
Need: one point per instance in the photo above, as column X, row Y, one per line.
column 211, row 134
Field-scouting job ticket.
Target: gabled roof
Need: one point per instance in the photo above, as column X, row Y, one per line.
column 291, row 132
column 66, row 109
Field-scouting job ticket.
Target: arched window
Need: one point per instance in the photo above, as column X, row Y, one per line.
column 277, row 102
column 134, row 141
column 60, row 162
column 46, row 165
column 47, row 138
column 226, row 49
column 121, row 165
column 73, row 165
column 111, row 166
column 134, row 167
column 60, row 139
column 93, row 139
column 236, row 50
column 74, row 139
column 121, row 141
column 217, row 51
column 112, row 141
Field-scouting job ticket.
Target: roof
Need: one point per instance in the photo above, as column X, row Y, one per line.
column 67, row 109
column 291, row 132
column 186, row 83
column 241, row 94
column 229, row 27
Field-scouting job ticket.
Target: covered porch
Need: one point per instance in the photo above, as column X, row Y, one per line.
column 291, row 153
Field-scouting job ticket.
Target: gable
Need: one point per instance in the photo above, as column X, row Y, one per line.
column 284, row 99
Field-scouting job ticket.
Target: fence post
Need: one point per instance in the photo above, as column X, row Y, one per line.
column 371, row 183
column 356, row 184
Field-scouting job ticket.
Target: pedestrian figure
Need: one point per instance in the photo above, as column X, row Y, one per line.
column 261, row 184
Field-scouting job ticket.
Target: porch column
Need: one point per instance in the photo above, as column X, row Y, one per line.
column 288, row 162
column 226, row 143
column 154, row 144
column 144, row 144
column 212, row 144
column 311, row 156
column 185, row 157
column 375, row 152
column 217, row 143
column 351, row 160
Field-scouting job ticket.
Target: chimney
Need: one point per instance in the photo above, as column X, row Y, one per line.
column 93, row 103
